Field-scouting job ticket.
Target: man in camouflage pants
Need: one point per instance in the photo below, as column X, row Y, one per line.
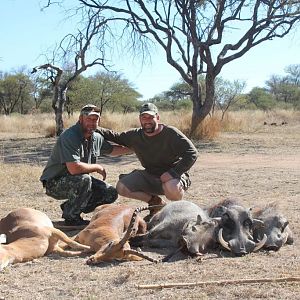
column 73, row 158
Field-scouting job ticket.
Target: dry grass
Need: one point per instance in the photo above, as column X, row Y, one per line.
column 15, row 126
column 256, row 167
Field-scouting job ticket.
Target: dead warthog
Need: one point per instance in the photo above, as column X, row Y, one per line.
column 235, row 232
column 276, row 227
column 179, row 223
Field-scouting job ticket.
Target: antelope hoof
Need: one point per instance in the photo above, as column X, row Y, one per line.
column 91, row 260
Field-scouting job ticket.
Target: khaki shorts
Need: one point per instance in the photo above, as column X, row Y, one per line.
column 142, row 181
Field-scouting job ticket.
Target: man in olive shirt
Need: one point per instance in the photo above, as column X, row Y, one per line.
column 73, row 158
column 165, row 153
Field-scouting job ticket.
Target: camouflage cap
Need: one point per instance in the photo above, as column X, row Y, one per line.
column 89, row 110
column 149, row 108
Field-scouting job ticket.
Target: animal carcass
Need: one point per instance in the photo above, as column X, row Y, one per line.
column 179, row 223
column 109, row 230
column 30, row 234
column 276, row 227
column 235, row 232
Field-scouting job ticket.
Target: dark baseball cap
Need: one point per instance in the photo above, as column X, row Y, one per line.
column 90, row 109
column 149, row 108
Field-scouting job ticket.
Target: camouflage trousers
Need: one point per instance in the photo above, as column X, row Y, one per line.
column 84, row 193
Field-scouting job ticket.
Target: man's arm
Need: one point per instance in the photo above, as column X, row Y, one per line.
column 75, row 168
column 120, row 138
column 188, row 153
column 120, row 150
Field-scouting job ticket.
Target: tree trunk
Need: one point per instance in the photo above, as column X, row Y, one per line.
column 200, row 111
column 59, row 99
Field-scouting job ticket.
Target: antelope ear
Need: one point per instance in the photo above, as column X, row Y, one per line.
column 2, row 238
column 106, row 246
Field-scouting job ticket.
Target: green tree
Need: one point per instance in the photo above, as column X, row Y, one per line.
column 227, row 94
column 108, row 90
column 178, row 93
column 286, row 88
column 15, row 93
column 42, row 90
column 261, row 99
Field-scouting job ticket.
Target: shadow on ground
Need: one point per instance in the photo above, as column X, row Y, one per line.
column 36, row 151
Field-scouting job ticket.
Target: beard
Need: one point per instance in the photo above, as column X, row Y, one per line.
column 89, row 130
column 148, row 129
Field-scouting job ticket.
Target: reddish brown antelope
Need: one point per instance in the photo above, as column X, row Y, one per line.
column 109, row 230
column 30, row 234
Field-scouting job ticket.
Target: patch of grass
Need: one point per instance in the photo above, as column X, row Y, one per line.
column 238, row 121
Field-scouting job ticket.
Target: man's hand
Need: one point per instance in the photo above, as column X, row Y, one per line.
column 101, row 171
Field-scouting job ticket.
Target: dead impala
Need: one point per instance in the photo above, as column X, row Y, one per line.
column 29, row 234
column 109, row 230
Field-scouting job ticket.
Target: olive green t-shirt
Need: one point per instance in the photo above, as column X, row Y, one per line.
column 70, row 147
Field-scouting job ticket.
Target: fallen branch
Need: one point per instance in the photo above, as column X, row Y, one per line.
column 218, row 282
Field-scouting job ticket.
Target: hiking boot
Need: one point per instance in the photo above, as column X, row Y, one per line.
column 157, row 203
column 76, row 222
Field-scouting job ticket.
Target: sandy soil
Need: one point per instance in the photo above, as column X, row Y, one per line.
column 255, row 168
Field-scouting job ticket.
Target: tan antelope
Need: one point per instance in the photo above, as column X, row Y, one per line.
column 30, row 234
column 108, row 233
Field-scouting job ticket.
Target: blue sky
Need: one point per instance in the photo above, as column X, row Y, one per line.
column 27, row 32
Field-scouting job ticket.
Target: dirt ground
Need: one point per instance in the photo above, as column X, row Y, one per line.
column 255, row 168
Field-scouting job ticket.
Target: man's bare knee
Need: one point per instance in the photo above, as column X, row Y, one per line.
column 122, row 189
column 173, row 190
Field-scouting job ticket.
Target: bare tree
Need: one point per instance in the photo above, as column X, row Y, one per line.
column 75, row 46
column 293, row 76
column 200, row 37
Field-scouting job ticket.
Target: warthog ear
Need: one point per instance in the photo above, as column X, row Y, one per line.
column 258, row 223
column 199, row 220
column 286, row 223
column 219, row 211
column 186, row 225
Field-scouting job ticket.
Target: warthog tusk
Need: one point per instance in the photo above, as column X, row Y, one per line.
column 260, row 244
column 285, row 237
column 222, row 241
